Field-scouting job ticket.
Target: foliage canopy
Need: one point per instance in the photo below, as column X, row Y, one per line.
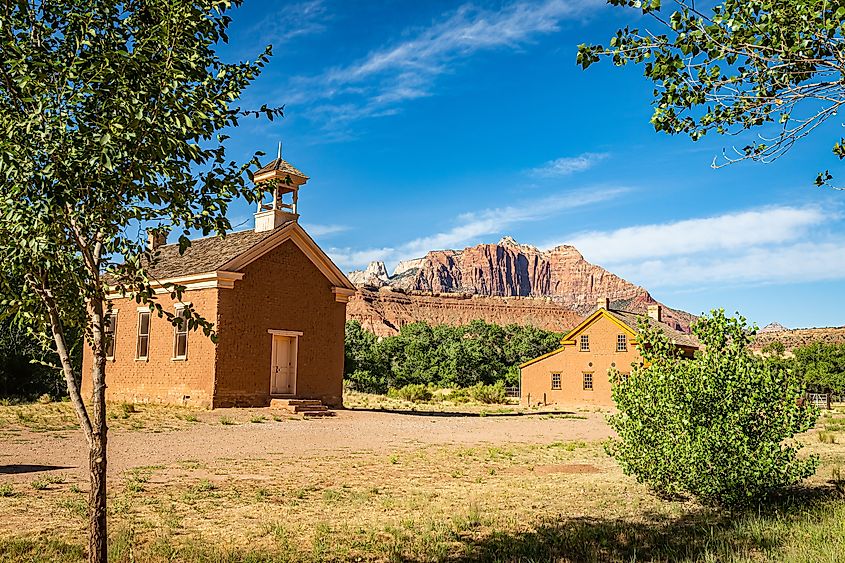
column 821, row 366
column 737, row 65
column 717, row 427
column 112, row 120
column 442, row 355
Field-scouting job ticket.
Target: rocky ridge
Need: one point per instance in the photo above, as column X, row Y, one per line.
column 506, row 282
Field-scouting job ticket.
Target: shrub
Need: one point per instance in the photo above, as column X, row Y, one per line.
column 489, row 394
column 716, row 426
column 415, row 392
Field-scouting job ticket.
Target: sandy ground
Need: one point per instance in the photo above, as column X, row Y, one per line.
column 27, row 454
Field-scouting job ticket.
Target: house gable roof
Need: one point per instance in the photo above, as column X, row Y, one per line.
column 627, row 321
column 234, row 251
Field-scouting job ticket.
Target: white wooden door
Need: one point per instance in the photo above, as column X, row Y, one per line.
column 283, row 372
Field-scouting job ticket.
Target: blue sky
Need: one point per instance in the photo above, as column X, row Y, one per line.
column 430, row 125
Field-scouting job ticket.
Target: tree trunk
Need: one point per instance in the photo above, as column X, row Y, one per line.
column 97, row 530
column 94, row 426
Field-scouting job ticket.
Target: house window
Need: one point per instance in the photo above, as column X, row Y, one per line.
column 588, row 381
column 109, row 331
column 143, row 349
column 585, row 342
column 621, row 343
column 180, row 335
column 555, row 381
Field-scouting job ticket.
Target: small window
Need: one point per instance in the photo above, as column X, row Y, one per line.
column 143, row 335
column 109, row 331
column 588, row 381
column 555, row 381
column 180, row 335
column 585, row 342
column 622, row 343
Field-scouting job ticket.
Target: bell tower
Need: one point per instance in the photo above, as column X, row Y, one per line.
column 282, row 181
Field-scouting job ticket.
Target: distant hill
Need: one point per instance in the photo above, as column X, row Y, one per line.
column 795, row 338
column 506, row 282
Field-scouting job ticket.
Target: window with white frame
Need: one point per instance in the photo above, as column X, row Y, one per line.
column 622, row 343
column 588, row 381
column 110, row 329
column 555, row 381
column 180, row 334
column 585, row 342
column 143, row 348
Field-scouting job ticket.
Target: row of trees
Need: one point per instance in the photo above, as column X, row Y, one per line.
column 447, row 356
column 820, row 365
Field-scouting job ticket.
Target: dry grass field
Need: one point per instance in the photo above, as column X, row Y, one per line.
column 383, row 482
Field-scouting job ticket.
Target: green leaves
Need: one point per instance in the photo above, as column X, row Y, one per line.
column 736, row 66
column 111, row 122
column 444, row 355
column 719, row 427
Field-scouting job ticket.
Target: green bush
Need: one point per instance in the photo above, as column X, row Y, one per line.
column 415, row 393
column 716, row 427
column 489, row 394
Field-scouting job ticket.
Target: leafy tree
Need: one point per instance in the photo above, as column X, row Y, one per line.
column 737, row 65
column 821, row 365
column 364, row 365
column 111, row 114
column 718, row 426
column 442, row 355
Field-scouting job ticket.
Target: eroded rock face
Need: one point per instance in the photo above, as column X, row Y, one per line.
column 384, row 311
column 375, row 274
column 561, row 286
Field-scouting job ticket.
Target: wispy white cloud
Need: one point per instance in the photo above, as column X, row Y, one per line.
column 791, row 263
column 767, row 245
column 318, row 230
column 567, row 165
column 292, row 21
column 471, row 226
column 377, row 84
column 727, row 232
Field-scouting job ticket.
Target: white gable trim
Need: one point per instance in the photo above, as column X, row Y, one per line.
column 206, row 280
column 296, row 234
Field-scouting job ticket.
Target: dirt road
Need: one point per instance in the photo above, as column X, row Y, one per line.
column 22, row 454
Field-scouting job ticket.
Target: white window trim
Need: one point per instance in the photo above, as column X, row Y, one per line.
column 113, row 314
column 559, row 381
column 180, row 307
column 624, row 342
column 138, row 357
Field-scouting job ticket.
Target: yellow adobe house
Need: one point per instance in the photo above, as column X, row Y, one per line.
column 577, row 372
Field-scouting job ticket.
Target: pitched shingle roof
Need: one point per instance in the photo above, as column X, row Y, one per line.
column 674, row 335
column 281, row 165
column 204, row 255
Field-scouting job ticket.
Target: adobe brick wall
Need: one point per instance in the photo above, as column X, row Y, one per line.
column 160, row 379
column 572, row 363
column 282, row 290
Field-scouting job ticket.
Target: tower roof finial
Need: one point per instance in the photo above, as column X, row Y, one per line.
column 280, row 150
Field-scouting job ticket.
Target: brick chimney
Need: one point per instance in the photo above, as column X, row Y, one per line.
column 155, row 239
column 656, row 312
column 603, row 303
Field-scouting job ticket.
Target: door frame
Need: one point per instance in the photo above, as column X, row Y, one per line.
column 294, row 334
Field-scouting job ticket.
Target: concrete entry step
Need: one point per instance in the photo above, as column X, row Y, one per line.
column 287, row 403
column 305, row 407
